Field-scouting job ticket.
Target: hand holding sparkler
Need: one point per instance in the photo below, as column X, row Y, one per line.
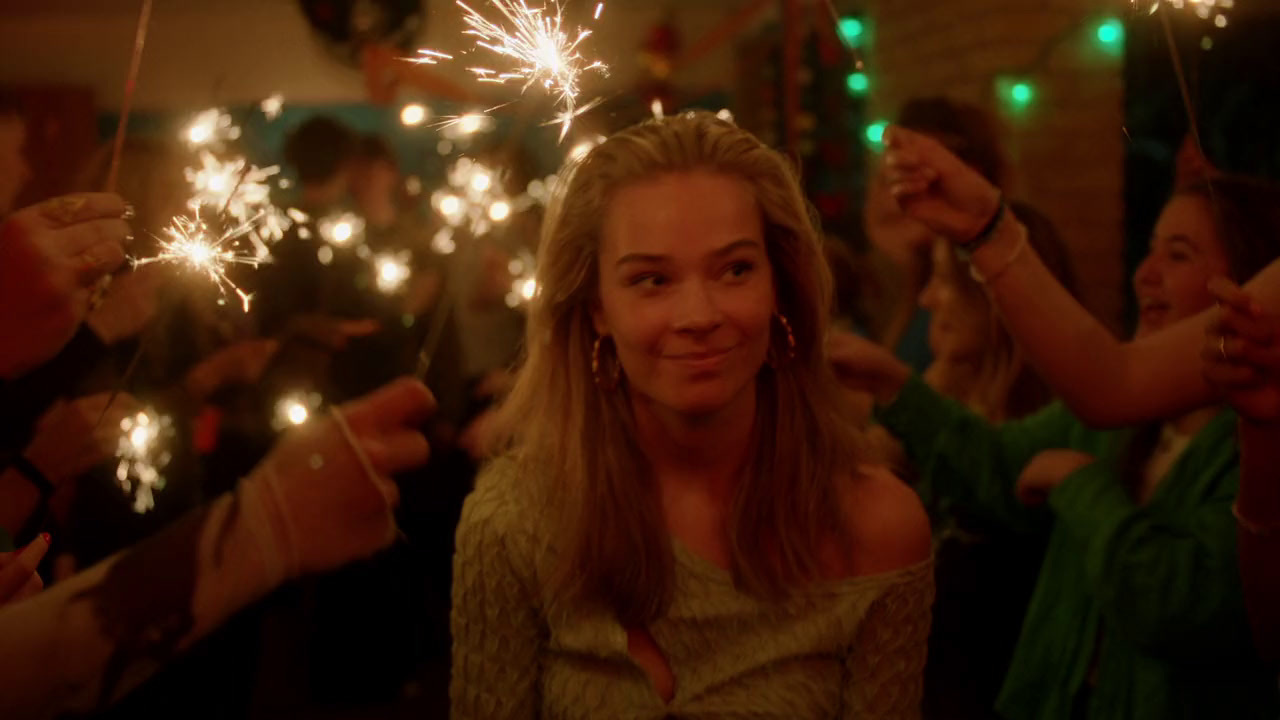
column 325, row 490
column 128, row 307
column 51, row 254
column 69, row 442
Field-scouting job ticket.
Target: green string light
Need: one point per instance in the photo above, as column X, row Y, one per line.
column 875, row 133
column 852, row 29
column 1111, row 33
column 858, row 83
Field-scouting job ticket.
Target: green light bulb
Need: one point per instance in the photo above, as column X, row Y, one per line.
column 858, row 83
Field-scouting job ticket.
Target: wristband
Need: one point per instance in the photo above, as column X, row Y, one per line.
column 966, row 249
column 33, row 475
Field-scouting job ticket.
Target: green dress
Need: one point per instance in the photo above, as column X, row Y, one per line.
column 1138, row 612
column 848, row 649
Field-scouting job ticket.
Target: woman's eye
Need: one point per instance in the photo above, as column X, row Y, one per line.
column 740, row 269
column 647, row 280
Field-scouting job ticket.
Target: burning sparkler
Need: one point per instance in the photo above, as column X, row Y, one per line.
column 474, row 198
column 391, row 270
column 341, row 229
column 540, row 50
column 211, row 127
column 142, row 453
column 295, row 408
column 524, row 283
column 272, row 106
column 235, row 186
column 191, row 243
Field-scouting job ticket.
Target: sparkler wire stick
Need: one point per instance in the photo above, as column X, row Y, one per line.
column 130, row 84
column 1189, row 106
column 435, row 333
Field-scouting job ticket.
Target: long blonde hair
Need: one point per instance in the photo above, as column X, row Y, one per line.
column 577, row 439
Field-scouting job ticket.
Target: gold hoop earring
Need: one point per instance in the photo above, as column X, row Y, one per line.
column 791, row 340
column 614, row 377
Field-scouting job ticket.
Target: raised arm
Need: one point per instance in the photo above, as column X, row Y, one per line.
column 1104, row 381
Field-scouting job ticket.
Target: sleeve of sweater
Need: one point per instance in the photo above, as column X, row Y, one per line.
column 885, row 670
column 965, row 458
column 1170, row 584
column 496, row 621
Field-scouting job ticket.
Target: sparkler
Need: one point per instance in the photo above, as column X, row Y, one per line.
column 294, row 408
column 1205, row 9
column 191, row 243
column 237, row 187
column 272, row 106
column 391, row 270
column 341, row 229
column 142, row 453
column 538, row 47
column 473, row 198
column 524, row 283
column 211, row 127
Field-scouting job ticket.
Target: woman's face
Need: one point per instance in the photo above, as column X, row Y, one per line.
column 958, row 319
column 1172, row 281
column 686, row 289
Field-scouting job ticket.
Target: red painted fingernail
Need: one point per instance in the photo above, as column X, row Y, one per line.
column 48, row 539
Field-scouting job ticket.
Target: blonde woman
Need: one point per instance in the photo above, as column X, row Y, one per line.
column 685, row 526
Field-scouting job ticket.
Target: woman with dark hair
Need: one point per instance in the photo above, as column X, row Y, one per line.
column 1138, row 611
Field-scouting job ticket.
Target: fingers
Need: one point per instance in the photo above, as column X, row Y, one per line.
column 92, row 264
column 1229, row 294
column 82, row 207
column 398, row 451
column 33, row 586
column 15, row 575
column 86, row 238
column 400, row 403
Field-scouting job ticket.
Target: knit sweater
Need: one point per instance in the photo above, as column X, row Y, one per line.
column 853, row 648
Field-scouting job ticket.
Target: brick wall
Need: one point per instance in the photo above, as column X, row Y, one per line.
column 1066, row 148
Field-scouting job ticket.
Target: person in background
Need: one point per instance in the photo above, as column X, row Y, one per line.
column 902, row 246
column 686, row 523
column 1139, row 611
column 986, row 571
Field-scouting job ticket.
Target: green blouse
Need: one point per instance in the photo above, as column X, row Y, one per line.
column 1138, row 611
column 848, row 649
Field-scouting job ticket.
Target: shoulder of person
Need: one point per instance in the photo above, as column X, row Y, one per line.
column 501, row 505
column 886, row 521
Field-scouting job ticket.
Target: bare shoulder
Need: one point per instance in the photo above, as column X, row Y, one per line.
column 886, row 520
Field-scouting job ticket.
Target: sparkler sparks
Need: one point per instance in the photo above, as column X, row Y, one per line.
column 272, row 106
column 524, row 284
column 540, row 50
column 341, row 229
column 211, row 127
column 239, row 188
column 191, row 243
column 294, row 409
column 474, row 198
column 142, row 453
column 391, row 270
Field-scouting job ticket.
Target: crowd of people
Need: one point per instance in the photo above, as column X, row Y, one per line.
column 720, row 466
